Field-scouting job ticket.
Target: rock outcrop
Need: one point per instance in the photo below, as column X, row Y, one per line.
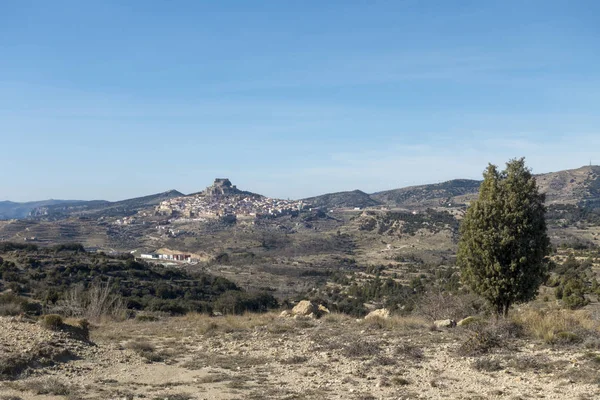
column 306, row 308
column 383, row 313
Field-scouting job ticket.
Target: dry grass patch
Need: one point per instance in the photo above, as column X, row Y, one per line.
column 396, row 323
column 50, row 385
column 294, row 360
column 409, row 352
column 531, row 362
column 381, row 360
column 581, row 374
column 229, row 362
column 361, row 349
column 400, row 381
column 214, row 378
column 42, row 355
column 335, row 318
column 176, row 396
column 556, row 326
column 148, row 351
column 487, row 364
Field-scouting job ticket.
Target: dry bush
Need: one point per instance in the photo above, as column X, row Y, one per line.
column 146, row 350
column 11, row 365
column 409, row 352
column 396, row 323
column 530, row 362
column 487, row 364
column 10, row 309
column 176, row 396
column 146, row 318
column 50, row 385
column 140, row 346
column 213, row 378
column 583, row 374
column 435, row 305
column 229, row 323
column 335, row 318
column 556, row 326
column 488, row 336
column 360, row 349
column 400, row 381
column 51, row 321
column 381, row 360
column 294, row 360
column 41, row 355
column 230, row 362
column 98, row 301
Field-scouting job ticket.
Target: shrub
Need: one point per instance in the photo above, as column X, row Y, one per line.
column 487, row 337
column 146, row 318
column 236, row 302
column 400, row 381
column 177, row 396
column 51, row 386
column 146, row 350
column 479, row 343
column 11, row 304
column 487, row 364
column 437, row 305
column 52, row 321
column 409, row 351
column 361, row 349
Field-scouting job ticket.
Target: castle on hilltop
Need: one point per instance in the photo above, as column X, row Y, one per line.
column 221, row 187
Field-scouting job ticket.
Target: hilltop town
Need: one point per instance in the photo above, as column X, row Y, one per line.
column 222, row 199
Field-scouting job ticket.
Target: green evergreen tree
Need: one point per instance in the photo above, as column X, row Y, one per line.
column 503, row 245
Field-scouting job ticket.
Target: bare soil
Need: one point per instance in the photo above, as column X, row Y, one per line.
column 270, row 357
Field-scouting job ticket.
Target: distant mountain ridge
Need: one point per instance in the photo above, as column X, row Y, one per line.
column 579, row 186
column 13, row 210
column 96, row 208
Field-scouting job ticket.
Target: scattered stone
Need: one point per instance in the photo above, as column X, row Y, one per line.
column 445, row 323
column 323, row 310
column 383, row 313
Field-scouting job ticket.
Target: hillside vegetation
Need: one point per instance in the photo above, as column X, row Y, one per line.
column 59, row 278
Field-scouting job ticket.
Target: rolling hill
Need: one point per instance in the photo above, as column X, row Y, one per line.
column 98, row 208
column 453, row 191
column 13, row 210
column 579, row 186
column 355, row 198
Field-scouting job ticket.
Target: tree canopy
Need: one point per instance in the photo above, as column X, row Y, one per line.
column 503, row 245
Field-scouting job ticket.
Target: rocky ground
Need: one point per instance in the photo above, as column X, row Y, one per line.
column 272, row 357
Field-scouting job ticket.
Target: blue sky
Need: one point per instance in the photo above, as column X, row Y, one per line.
column 115, row 99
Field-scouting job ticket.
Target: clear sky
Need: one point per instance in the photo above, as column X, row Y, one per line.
column 115, row 99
